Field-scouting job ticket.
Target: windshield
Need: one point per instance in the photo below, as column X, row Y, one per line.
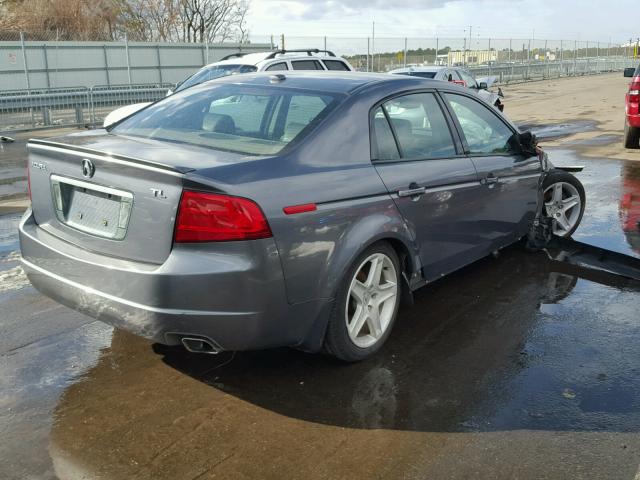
column 237, row 118
column 209, row 73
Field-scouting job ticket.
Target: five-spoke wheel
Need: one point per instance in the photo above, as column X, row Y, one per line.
column 366, row 305
column 564, row 202
column 372, row 299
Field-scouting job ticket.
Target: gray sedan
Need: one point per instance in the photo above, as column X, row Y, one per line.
column 282, row 210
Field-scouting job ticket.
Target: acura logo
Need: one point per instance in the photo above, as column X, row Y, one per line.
column 88, row 169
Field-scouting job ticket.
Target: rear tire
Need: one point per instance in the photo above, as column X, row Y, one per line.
column 366, row 305
column 631, row 136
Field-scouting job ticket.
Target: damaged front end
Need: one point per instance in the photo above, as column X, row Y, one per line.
column 541, row 232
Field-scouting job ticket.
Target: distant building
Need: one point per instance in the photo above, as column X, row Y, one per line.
column 471, row 57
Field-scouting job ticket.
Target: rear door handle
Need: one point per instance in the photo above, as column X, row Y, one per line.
column 412, row 191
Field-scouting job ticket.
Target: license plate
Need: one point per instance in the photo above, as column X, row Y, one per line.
column 94, row 209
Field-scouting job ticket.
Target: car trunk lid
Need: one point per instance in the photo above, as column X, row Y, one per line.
column 113, row 195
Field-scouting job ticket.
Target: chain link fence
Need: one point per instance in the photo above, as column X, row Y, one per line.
column 45, row 82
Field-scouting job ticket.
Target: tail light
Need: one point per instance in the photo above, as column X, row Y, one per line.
column 209, row 217
column 633, row 97
column 634, row 89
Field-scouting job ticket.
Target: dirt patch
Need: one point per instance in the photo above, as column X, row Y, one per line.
column 597, row 98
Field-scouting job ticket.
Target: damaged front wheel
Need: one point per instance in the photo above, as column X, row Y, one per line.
column 564, row 202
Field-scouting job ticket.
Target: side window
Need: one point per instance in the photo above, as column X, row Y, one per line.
column 485, row 133
column 306, row 65
column 336, row 65
column 468, row 78
column 277, row 66
column 420, row 127
column 385, row 147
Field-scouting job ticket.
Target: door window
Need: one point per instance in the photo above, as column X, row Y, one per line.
column 485, row 133
column 419, row 126
column 306, row 65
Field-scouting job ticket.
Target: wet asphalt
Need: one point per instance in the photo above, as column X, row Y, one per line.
column 514, row 367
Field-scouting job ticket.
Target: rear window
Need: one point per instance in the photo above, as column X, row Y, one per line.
column 336, row 65
column 238, row 118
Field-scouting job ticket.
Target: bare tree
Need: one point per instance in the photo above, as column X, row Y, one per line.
column 212, row 20
column 149, row 20
column 143, row 20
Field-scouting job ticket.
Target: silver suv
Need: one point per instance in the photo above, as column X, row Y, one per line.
column 237, row 63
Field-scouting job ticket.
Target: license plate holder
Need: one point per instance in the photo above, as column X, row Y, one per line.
column 90, row 208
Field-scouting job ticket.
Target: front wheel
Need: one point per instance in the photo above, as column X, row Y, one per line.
column 564, row 202
column 366, row 306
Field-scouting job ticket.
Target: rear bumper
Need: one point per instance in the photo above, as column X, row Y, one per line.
column 232, row 293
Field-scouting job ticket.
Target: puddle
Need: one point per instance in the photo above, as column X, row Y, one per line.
column 559, row 130
column 606, row 139
column 612, row 214
column 9, row 232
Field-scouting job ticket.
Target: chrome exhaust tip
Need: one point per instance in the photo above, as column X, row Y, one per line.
column 200, row 345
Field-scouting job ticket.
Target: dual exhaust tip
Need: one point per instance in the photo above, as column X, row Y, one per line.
column 200, row 345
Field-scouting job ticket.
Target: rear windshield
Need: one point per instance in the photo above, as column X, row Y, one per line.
column 209, row 73
column 237, row 118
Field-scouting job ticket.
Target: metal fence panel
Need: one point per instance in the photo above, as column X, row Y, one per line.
column 52, row 64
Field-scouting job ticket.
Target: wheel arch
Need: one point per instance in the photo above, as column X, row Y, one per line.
column 359, row 238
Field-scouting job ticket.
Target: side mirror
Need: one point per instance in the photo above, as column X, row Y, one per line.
column 629, row 72
column 525, row 142
column 483, row 86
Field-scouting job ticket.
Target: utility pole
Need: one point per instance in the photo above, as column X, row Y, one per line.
column 465, row 59
column 373, row 44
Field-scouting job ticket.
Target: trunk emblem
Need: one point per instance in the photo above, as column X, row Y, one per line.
column 88, row 169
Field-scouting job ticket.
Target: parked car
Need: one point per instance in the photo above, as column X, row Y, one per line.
column 237, row 63
column 632, row 109
column 283, row 209
column 459, row 76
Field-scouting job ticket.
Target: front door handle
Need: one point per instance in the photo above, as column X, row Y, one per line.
column 489, row 180
column 413, row 191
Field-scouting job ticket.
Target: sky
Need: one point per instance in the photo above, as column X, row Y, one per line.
column 614, row 20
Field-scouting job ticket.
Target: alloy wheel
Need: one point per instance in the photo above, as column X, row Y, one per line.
column 562, row 204
column 371, row 301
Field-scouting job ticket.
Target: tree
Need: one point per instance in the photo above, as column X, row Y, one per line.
column 212, row 20
column 142, row 20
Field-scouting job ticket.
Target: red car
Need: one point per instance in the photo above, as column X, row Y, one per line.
column 632, row 109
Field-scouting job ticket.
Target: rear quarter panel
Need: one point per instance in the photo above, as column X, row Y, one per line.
column 332, row 169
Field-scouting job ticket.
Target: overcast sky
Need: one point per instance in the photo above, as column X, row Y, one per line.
column 554, row 19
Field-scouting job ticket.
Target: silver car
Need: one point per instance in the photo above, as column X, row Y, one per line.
column 292, row 209
column 458, row 76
